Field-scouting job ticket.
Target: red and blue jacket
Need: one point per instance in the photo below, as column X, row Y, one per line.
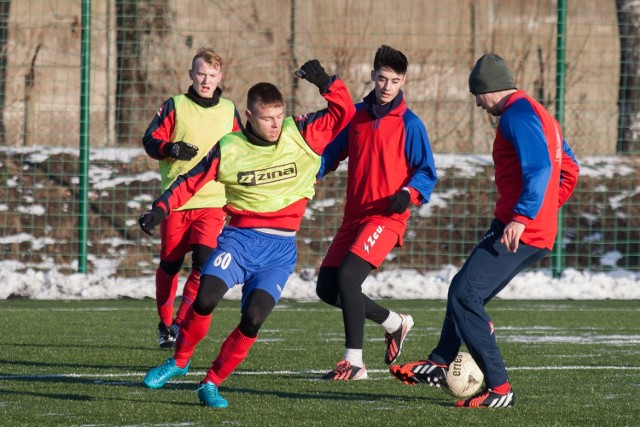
column 535, row 169
column 388, row 149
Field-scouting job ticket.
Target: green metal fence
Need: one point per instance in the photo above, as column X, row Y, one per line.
column 80, row 82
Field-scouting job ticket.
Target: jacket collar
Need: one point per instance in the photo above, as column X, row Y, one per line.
column 379, row 111
column 204, row 102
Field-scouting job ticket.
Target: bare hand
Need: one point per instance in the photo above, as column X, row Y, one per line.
column 511, row 236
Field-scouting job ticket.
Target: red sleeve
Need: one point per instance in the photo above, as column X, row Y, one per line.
column 414, row 195
column 160, row 130
column 569, row 171
column 520, row 218
column 321, row 127
column 237, row 122
column 185, row 186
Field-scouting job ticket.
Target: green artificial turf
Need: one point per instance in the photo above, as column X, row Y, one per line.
column 571, row 363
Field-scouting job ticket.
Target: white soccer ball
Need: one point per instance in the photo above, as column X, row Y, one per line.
column 464, row 377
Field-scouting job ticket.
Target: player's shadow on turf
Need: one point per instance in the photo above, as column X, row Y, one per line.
column 74, row 366
column 85, row 346
column 228, row 393
column 94, row 398
column 60, row 396
column 331, row 395
column 61, row 379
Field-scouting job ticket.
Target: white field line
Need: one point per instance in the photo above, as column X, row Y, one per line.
column 540, row 305
column 98, row 376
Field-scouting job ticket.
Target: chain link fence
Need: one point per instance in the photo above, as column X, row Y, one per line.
column 140, row 54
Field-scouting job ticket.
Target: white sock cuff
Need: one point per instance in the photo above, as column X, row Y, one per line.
column 354, row 356
column 393, row 322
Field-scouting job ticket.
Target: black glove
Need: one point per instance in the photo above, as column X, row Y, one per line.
column 180, row 150
column 150, row 219
column 399, row 202
column 314, row 73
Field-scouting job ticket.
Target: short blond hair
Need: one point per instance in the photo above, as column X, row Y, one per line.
column 209, row 55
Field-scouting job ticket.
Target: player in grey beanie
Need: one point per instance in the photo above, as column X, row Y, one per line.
column 490, row 74
column 535, row 173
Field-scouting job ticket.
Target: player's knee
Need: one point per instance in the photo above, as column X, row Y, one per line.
column 352, row 273
column 326, row 293
column 171, row 267
column 256, row 310
column 203, row 305
column 251, row 323
column 456, row 294
column 327, row 287
column 461, row 296
column 199, row 256
column 349, row 282
column 210, row 293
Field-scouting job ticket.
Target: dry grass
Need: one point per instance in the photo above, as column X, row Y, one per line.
column 41, row 201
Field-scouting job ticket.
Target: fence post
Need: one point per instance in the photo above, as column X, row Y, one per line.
column 558, row 250
column 85, row 87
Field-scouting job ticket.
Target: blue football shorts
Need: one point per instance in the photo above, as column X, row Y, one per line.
column 253, row 259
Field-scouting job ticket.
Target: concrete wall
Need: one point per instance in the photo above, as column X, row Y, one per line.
column 441, row 39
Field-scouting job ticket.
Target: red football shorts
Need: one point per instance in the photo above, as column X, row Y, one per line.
column 182, row 229
column 371, row 242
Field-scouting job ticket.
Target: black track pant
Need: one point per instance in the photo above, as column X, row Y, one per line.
column 342, row 288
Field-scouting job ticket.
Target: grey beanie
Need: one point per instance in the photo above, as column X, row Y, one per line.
column 490, row 74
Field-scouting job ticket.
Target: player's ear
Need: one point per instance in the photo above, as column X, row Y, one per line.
column 373, row 75
column 247, row 114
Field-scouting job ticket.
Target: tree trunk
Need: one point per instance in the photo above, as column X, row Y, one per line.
column 5, row 6
column 629, row 92
column 142, row 26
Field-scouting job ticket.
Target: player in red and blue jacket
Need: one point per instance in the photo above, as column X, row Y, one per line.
column 390, row 166
column 535, row 173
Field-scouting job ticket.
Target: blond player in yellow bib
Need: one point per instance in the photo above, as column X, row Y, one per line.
column 181, row 133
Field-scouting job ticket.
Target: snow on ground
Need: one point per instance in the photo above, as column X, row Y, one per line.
column 395, row 284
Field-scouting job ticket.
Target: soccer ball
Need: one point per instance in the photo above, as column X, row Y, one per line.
column 464, row 377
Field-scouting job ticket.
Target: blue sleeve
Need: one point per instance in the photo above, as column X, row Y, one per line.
column 521, row 126
column 566, row 149
column 419, row 156
column 334, row 153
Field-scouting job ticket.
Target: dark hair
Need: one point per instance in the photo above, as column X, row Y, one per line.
column 386, row 56
column 264, row 94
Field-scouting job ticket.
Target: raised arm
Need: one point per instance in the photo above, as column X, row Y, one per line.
column 321, row 127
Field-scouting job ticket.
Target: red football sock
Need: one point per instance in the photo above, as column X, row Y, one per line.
column 166, row 287
column 233, row 351
column 194, row 327
column 502, row 389
column 188, row 295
